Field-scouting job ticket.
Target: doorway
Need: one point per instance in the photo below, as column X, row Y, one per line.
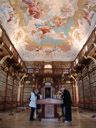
column 47, row 92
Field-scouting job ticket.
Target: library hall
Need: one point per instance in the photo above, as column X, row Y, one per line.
column 47, row 63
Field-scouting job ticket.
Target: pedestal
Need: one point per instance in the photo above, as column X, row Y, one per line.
column 49, row 109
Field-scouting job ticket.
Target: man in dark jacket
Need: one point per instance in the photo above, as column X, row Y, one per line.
column 67, row 103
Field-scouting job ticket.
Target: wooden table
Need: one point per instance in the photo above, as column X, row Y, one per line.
column 49, row 109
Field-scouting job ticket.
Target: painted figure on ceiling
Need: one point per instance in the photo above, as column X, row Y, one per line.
column 29, row 3
column 60, row 21
column 11, row 16
column 43, row 28
column 8, row 12
column 32, row 8
column 33, row 11
column 38, row 49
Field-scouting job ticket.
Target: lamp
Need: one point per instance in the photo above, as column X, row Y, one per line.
column 74, row 64
column 10, row 48
column 1, row 32
column 76, row 61
column 19, row 60
column 85, row 48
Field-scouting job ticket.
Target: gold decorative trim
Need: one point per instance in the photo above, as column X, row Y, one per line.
column 71, row 76
column 4, row 58
column 25, row 75
column 83, row 65
column 90, row 57
column 94, row 44
column 1, row 45
column 6, row 69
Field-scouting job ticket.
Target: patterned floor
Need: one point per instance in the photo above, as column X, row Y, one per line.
column 19, row 118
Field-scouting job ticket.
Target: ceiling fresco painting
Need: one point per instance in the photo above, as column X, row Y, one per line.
column 48, row 30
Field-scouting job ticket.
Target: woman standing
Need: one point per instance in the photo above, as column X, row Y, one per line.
column 32, row 104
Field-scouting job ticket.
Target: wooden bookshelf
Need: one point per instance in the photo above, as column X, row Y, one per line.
column 3, row 76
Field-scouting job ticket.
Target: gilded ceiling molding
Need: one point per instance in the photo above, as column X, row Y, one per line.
column 83, row 65
column 90, row 57
column 25, row 75
column 16, row 74
column 14, row 64
column 94, row 44
column 4, row 58
column 6, row 69
column 71, row 76
column 10, row 68
column 1, row 45
column 75, row 84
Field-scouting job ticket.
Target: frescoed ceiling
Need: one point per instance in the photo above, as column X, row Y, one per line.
column 48, row 30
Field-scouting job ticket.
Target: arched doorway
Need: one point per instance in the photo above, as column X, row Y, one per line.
column 48, row 91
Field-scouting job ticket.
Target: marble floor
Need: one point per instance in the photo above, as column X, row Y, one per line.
column 19, row 118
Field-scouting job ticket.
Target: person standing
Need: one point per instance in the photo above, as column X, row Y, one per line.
column 38, row 105
column 63, row 106
column 67, row 103
column 32, row 104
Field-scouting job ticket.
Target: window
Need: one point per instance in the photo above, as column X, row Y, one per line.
column 48, row 66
